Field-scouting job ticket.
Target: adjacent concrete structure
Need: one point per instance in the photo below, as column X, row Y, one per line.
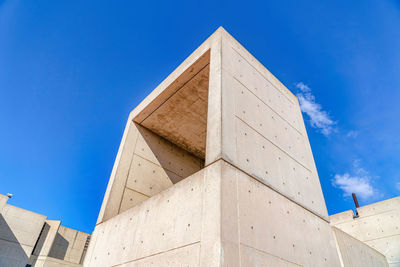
column 59, row 246
column 377, row 225
column 353, row 252
column 28, row 239
column 19, row 230
column 215, row 169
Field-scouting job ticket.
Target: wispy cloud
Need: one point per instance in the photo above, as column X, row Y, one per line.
column 318, row 118
column 358, row 182
column 352, row 134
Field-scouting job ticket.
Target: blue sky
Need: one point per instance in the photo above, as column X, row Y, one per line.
column 70, row 72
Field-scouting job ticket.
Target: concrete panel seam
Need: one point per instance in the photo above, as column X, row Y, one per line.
column 129, row 170
column 138, row 193
column 13, row 242
column 388, row 236
column 111, row 181
column 155, row 254
column 262, row 251
column 234, row 43
column 166, row 167
column 276, row 190
column 273, row 144
column 273, row 110
column 238, row 217
column 262, row 75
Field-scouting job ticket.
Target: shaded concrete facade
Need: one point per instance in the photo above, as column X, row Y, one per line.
column 28, row 239
column 377, row 225
column 215, row 169
column 59, row 246
column 17, row 236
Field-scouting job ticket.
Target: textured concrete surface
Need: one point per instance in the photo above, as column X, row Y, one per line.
column 355, row 253
column 169, row 221
column 148, row 165
column 263, row 227
column 215, row 169
column 378, row 225
column 263, row 129
column 187, row 220
column 182, row 118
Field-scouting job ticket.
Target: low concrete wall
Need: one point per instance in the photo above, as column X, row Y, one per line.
column 354, row 253
column 378, row 225
column 164, row 228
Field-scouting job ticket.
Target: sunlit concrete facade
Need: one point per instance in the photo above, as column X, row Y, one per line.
column 215, row 169
column 377, row 225
column 28, row 239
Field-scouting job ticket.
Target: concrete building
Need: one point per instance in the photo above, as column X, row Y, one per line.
column 377, row 225
column 215, row 169
column 17, row 237
column 28, row 239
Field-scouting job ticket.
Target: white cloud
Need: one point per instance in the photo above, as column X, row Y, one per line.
column 354, row 184
column 304, row 88
column 319, row 118
column 359, row 182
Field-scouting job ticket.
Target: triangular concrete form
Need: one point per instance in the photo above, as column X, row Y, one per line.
column 215, row 169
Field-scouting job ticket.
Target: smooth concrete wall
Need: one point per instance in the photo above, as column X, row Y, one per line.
column 148, row 164
column 378, row 225
column 263, row 129
column 164, row 230
column 260, row 227
column 19, row 231
column 354, row 253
